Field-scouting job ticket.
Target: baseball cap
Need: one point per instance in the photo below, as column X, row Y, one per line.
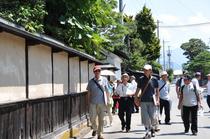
column 147, row 67
column 208, row 74
column 187, row 77
column 125, row 74
column 163, row 73
column 198, row 73
column 96, row 68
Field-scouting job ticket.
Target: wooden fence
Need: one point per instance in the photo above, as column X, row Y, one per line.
column 32, row 119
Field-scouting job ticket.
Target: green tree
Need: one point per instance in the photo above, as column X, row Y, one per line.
column 193, row 48
column 201, row 62
column 146, row 32
column 30, row 14
column 134, row 46
column 87, row 25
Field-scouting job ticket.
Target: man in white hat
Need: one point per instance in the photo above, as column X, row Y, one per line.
column 149, row 99
column 164, row 96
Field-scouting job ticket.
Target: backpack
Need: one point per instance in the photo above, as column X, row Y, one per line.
column 195, row 89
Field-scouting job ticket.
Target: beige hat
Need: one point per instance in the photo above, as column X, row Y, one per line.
column 147, row 67
column 163, row 73
column 125, row 74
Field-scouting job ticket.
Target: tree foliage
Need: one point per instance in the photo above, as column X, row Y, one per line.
column 193, row 48
column 201, row 63
column 146, row 32
column 29, row 14
column 87, row 25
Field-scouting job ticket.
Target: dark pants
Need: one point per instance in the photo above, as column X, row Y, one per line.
column 208, row 100
column 126, row 106
column 186, row 116
column 166, row 105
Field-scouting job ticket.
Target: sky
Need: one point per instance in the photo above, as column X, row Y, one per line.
column 175, row 13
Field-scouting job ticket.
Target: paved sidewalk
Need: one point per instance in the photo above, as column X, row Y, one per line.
column 174, row 131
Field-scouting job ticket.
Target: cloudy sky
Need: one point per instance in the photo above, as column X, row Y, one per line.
column 176, row 13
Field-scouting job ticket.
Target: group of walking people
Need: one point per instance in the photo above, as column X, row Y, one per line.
column 148, row 93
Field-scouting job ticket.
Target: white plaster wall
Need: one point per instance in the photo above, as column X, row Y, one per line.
column 12, row 68
column 91, row 74
column 84, row 75
column 60, row 66
column 74, row 74
column 40, row 71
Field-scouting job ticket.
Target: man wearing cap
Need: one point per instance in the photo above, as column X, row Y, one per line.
column 164, row 96
column 149, row 91
column 97, row 97
column 125, row 91
column 190, row 101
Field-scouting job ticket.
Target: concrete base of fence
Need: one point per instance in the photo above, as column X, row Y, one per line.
column 77, row 131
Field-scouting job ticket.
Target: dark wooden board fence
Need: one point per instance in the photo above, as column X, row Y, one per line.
column 32, row 119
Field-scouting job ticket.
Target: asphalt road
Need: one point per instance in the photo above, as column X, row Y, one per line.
column 173, row 131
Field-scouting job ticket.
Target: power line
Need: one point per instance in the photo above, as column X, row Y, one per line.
column 185, row 6
column 186, row 25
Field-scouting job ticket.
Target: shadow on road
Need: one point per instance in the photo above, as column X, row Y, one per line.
column 119, row 131
column 204, row 127
column 174, row 123
column 173, row 134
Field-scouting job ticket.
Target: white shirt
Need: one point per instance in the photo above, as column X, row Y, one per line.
column 189, row 96
column 208, row 88
column 164, row 92
column 124, row 90
column 134, row 84
column 196, row 83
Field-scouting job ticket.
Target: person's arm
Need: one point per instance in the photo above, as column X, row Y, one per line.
column 88, row 96
column 178, row 87
column 180, row 101
column 177, row 91
column 137, row 100
column 136, row 95
column 157, row 95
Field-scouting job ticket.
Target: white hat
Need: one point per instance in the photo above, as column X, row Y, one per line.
column 208, row 74
column 198, row 73
column 125, row 74
column 147, row 67
column 163, row 73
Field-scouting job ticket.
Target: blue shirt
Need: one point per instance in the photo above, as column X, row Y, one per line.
column 96, row 94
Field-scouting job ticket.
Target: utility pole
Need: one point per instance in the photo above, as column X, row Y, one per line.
column 169, row 57
column 158, row 36
column 164, row 62
column 121, row 9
